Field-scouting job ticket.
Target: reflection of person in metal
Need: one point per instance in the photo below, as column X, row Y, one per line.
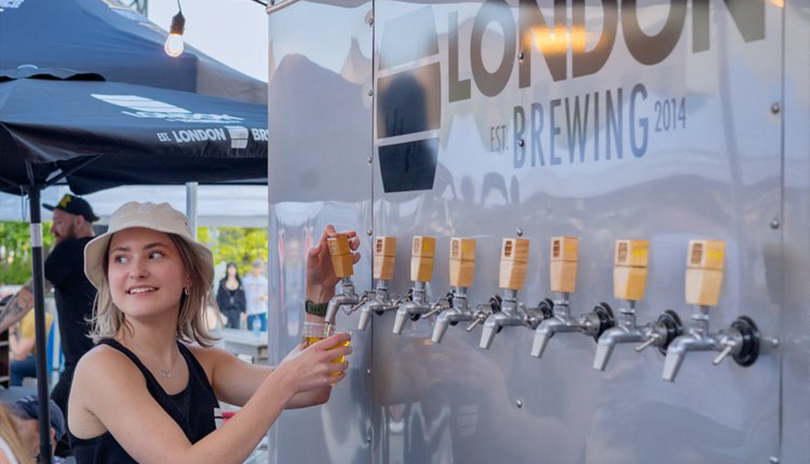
column 145, row 393
column 454, row 392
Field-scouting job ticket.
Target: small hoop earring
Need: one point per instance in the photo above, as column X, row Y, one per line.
column 187, row 291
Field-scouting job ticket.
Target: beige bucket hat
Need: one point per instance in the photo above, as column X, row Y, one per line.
column 162, row 218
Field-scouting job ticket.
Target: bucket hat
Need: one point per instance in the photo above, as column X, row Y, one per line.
column 160, row 217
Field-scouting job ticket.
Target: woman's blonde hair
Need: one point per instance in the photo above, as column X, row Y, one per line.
column 8, row 431
column 108, row 319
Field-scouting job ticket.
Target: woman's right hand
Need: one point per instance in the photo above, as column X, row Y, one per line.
column 311, row 368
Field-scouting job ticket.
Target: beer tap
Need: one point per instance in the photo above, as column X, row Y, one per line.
column 563, row 278
column 423, row 251
column 342, row 263
column 704, row 279
column 510, row 311
column 379, row 301
column 462, row 271
column 630, row 260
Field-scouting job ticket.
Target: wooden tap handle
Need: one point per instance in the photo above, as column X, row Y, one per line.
column 563, row 266
column 705, row 263
column 631, row 258
column 341, row 256
column 514, row 262
column 385, row 251
column 422, row 255
column 462, row 261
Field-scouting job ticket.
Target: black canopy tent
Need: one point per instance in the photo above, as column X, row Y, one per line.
column 59, row 125
column 109, row 38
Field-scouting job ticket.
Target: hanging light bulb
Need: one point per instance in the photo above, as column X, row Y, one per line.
column 174, row 42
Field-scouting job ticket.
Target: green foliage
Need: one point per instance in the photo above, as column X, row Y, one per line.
column 237, row 244
column 241, row 245
column 15, row 251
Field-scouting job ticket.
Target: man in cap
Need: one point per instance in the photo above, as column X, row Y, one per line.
column 64, row 271
column 25, row 413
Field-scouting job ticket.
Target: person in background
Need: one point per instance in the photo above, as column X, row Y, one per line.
column 12, row 450
column 23, row 349
column 231, row 296
column 256, row 288
column 25, row 414
column 72, row 228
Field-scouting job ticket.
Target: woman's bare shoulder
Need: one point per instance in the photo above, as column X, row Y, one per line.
column 103, row 361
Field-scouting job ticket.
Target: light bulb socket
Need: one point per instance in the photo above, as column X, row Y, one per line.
column 178, row 24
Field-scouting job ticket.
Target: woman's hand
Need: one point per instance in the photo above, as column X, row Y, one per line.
column 311, row 368
column 321, row 278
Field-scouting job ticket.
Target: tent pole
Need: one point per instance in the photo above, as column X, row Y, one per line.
column 39, row 318
column 191, row 207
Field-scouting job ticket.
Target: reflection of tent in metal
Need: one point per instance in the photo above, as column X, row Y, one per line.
column 108, row 38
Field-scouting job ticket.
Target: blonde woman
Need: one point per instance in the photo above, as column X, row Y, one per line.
column 146, row 393
column 12, row 450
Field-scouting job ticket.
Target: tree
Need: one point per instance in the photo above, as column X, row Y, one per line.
column 15, row 251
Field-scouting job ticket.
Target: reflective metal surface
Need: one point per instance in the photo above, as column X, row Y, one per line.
column 496, row 141
column 320, row 74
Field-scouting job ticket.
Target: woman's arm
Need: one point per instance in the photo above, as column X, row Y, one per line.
column 112, row 390
column 235, row 381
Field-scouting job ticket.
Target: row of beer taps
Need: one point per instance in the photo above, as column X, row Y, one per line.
column 704, row 276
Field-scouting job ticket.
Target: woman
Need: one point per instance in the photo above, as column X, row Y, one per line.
column 145, row 394
column 231, row 296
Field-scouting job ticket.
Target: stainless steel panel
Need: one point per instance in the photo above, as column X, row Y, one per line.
column 733, row 167
column 717, row 177
column 796, row 245
column 320, row 140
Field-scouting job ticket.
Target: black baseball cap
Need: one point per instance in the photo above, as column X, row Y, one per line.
column 27, row 408
column 74, row 205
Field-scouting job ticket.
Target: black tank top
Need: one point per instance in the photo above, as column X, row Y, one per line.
column 195, row 409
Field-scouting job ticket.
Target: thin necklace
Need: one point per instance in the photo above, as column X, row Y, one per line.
column 168, row 373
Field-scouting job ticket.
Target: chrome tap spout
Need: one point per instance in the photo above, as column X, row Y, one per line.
column 347, row 297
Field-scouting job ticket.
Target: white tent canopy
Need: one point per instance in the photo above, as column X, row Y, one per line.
column 216, row 205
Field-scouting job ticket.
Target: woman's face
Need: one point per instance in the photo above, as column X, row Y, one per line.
column 231, row 271
column 146, row 273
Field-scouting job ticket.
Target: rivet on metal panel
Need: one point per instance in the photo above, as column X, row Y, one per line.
column 521, row 143
column 369, row 160
column 519, row 404
column 520, row 55
column 775, row 108
column 369, row 232
column 368, row 436
column 368, row 371
column 370, row 20
column 774, row 460
column 370, row 93
column 774, row 223
column 519, row 232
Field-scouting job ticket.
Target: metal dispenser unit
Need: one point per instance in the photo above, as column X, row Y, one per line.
column 631, row 258
column 342, row 262
column 423, row 251
column 510, row 312
column 563, row 276
column 704, row 278
column 379, row 301
column 462, row 271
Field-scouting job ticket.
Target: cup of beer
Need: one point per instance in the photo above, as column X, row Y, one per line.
column 317, row 331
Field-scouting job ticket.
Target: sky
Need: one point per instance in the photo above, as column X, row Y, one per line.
column 232, row 31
